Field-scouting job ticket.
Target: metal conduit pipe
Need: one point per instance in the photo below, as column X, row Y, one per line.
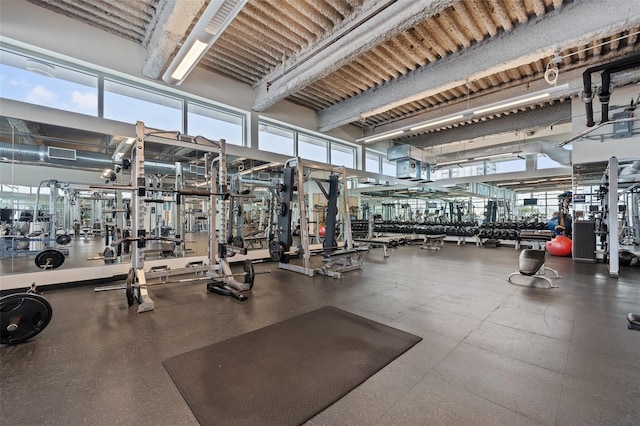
column 587, row 94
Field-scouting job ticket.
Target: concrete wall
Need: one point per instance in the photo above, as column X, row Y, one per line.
column 591, row 149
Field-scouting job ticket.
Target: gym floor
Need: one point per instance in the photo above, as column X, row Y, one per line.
column 492, row 352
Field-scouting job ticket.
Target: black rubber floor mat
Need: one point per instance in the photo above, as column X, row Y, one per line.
column 285, row 373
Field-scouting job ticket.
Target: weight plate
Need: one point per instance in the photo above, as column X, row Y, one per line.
column 281, row 209
column 109, row 255
column 129, row 287
column 250, row 274
column 22, row 316
column 49, row 259
column 238, row 241
column 276, row 251
column 63, row 239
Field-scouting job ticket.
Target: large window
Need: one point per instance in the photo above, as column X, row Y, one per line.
column 372, row 162
column 126, row 103
column 215, row 124
column 312, row 148
column 342, row 155
column 388, row 167
column 276, row 139
column 47, row 84
column 73, row 88
column 282, row 139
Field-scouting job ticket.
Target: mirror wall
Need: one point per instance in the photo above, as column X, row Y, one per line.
column 60, row 190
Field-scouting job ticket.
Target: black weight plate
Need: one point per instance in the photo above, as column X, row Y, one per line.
column 129, row 287
column 33, row 311
column 109, row 255
column 276, row 251
column 238, row 241
column 281, row 209
column 49, row 259
column 249, row 273
column 63, row 239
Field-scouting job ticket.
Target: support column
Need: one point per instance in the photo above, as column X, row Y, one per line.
column 614, row 246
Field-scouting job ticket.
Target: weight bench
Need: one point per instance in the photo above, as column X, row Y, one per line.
column 531, row 264
column 340, row 261
column 433, row 242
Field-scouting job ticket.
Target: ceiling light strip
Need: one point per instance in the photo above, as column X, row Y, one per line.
column 214, row 20
column 520, row 100
column 383, row 136
column 437, row 122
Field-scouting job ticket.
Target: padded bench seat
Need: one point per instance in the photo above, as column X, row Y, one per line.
column 531, row 264
column 530, row 261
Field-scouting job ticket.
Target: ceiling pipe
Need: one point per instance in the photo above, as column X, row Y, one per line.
column 632, row 168
column 84, row 160
column 587, row 95
column 557, row 154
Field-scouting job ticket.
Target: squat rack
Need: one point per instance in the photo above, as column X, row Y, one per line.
column 218, row 269
column 346, row 258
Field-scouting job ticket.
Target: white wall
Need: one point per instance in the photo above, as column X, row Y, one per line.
column 589, row 150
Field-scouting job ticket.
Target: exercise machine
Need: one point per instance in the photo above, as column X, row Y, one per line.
column 338, row 258
column 531, row 264
column 217, row 272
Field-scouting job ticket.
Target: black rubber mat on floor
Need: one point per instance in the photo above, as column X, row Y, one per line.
column 285, row 373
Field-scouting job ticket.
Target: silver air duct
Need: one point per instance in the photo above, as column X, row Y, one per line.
column 83, row 160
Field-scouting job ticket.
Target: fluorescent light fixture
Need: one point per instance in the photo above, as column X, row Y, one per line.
column 214, row 20
column 436, row 122
column 383, row 136
column 509, row 183
column 530, row 97
column 560, row 178
column 502, row 105
column 189, row 60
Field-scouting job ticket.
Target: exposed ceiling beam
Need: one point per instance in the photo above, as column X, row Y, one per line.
column 166, row 32
column 575, row 24
column 375, row 22
column 531, row 119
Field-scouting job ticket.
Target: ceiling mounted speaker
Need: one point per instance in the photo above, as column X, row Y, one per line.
column 41, row 68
